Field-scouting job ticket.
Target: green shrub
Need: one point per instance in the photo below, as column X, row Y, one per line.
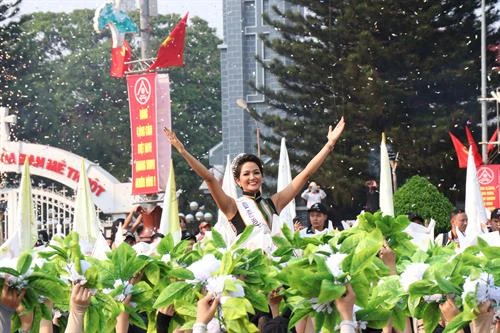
column 421, row 197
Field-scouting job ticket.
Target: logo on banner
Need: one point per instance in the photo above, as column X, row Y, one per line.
column 485, row 176
column 142, row 90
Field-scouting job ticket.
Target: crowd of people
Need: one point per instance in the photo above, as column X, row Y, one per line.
column 255, row 210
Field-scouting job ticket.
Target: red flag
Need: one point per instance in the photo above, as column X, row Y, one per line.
column 492, row 145
column 171, row 51
column 473, row 145
column 462, row 153
column 120, row 55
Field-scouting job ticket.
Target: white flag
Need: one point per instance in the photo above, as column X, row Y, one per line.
column 386, row 198
column 223, row 226
column 24, row 234
column 169, row 223
column 86, row 221
column 474, row 206
column 288, row 213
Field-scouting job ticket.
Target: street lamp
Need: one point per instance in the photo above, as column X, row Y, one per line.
column 256, row 117
column 198, row 213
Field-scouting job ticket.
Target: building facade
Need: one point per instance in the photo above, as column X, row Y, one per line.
column 243, row 24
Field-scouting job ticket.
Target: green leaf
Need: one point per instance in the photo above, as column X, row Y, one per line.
column 283, row 251
column 24, row 262
column 152, row 273
column 243, row 237
column 446, row 286
column 287, row 233
column 91, row 320
column 422, row 288
column 174, row 291
column 281, row 242
column 185, row 309
column 181, row 273
column 329, row 291
column 218, row 240
column 60, row 252
column 319, row 320
column 92, row 276
column 234, row 308
column 180, row 249
column 46, row 312
column 10, row 271
column 297, row 315
column 361, row 288
column 399, row 320
column 226, row 263
column 166, row 245
column 136, row 320
column 455, row 324
column 366, row 250
column 56, row 291
column 431, row 316
column 142, row 292
column 258, row 300
column 330, row 322
column 351, row 242
column 413, row 302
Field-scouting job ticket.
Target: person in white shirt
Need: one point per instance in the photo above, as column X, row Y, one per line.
column 313, row 194
column 318, row 219
column 458, row 221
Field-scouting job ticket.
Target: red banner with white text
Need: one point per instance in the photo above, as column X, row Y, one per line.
column 488, row 177
column 145, row 94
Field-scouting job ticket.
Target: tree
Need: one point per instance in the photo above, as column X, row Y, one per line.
column 64, row 96
column 419, row 196
column 410, row 70
column 9, row 31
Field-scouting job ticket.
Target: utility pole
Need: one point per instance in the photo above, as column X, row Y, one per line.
column 484, row 127
column 144, row 28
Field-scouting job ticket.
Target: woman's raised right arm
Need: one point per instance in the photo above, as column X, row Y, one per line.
column 225, row 203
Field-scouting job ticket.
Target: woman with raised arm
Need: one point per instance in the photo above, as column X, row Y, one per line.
column 248, row 174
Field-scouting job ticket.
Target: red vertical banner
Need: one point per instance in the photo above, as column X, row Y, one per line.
column 488, row 177
column 143, row 124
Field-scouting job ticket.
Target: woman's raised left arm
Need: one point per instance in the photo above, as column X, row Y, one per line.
column 283, row 197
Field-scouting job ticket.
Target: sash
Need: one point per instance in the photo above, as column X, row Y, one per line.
column 250, row 213
column 261, row 235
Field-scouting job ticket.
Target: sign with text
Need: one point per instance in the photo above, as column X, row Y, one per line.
column 488, row 177
column 147, row 94
column 63, row 167
column 57, row 166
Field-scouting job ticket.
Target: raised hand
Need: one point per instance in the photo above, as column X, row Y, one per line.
column 206, row 308
column 388, row 257
column 11, row 297
column 345, row 304
column 449, row 310
column 174, row 141
column 80, row 297
column 26, row 318
column 334, row 134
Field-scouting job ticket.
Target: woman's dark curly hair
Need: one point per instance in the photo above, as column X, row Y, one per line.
column 241, row 159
